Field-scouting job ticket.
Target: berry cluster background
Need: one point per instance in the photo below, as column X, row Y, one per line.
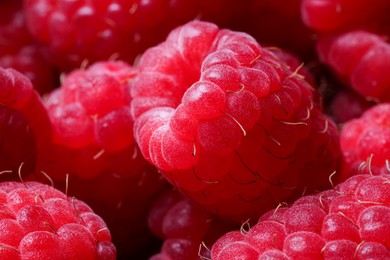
column 180, row 130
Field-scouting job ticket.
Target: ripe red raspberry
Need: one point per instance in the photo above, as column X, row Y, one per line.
column 24, row 124
column 350, row 221
column 93, row 143
column 38, row 221
column 92, row 108
column 19, row 51
column 96, row 30
column 360, row 59
column 367, row 139
column 185, row 227
column 329, row 16
column 229, row 123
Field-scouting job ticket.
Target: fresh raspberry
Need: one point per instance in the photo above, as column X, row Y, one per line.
column 92, row 107
column 38, row 221
column 229, row 123
column 96, row 30
column 367, row 139
column 185, row 227
column 93, row 143
column 24, row 125
column 350, row 221
column 332, row 16
column 361, row 60
column 346, row 105
column 19, row 51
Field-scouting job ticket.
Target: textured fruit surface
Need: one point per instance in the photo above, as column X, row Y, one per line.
column 367, row 139
column 350, row 221
column 38, row 221
column 75, row 31
column 19, row 51
column 186, row 229
column 24, row 125
column 329, row 16
column 93, row 144
column 361, row 60
column 91, row 121
column 180, row 121
column 230, row 123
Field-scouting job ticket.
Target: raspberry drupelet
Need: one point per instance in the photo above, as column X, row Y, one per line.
column 74, row 31
column 350, row 221
column 93, row 142
column 25, row 127
column 38, row 221
column 335, row 16
column 360, row 60
column 229, row 123
column 365, row 141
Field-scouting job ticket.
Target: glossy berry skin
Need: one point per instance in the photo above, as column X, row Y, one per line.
column 360, row 60
column 93, row 144
column 335, row 16
column 366, row 140
column 75, row 31
column 40, row 222
column 25, row 128
column 347, row 222
column 230, row 123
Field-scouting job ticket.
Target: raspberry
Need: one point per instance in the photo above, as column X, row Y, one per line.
column 93, row 143
column 329, row 16
column 19, row 51
column 360, row 60
column 40, row 222
column 229, row 123
column 349, row 221
column 88, row 102
column 24, row 124
column 93, row 31
column 185, row 227
column 367, row 138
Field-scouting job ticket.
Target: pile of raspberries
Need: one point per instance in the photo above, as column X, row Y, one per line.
column 186, row 130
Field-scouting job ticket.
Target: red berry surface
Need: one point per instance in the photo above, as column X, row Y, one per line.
column 186, row 228
column 330, row 16
column 38, row 221
column 19, row 51
column 229, row 123
column 96, row 30
column 93, row 142
column 24, row 125
column 350, row 221
column 180, row 123
column 367, row 139
column 360, row 59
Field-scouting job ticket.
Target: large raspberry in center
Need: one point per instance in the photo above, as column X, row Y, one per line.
column 230, row 123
